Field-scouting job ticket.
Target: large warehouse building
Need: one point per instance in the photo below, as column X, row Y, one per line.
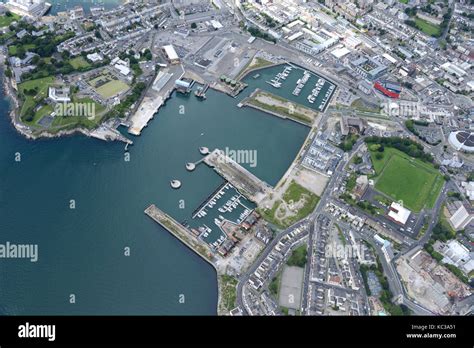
column 462, row 141
column 171, row 54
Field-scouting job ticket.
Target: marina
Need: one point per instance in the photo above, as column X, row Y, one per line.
column 309, row 89
column 275, row 82
column 254, row 188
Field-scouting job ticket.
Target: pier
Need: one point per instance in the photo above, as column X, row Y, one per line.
column 182, row 233
column 192, row 165
column 201, row 91
column 210, row 197
column 244, row 181
column 155, row 97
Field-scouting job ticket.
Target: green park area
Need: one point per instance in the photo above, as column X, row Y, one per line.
column 427, row 27
column 15, row 50
column 297, row 203
column 33, row 108
column 79, row 63
column 67, row 122
column 32, row 94
column 404, row 178
column 8, row 19
column 298, row 257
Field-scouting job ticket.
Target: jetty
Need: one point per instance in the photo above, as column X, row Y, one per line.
column 182, row 233
column 201, row 91
column 244, row 181
column 155, row 97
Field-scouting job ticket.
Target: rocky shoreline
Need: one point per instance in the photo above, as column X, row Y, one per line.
column 25, row 131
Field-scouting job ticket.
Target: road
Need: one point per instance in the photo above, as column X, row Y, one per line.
column 243, row 279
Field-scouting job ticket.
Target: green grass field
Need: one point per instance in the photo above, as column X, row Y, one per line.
column 294, row 193
column 79, row 62
column 5, row 21
column 404, row 178
column 427, row 28
column 32, row 101
column 112, row 88
column 12, row 50
column 71, row 121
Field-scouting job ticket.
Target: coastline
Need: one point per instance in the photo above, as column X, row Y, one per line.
column 14, row 107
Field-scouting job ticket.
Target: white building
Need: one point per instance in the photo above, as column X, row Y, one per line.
column 95, row 57
column 469, row 187
column 456, row 254
column 171, row 54
column 59, row 94
column 461, row 218
column 31, row 8
column 398, row 213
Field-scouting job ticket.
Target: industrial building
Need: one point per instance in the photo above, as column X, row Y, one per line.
column 31, row 8
column 389, row 89
column 462, row 217
column 456, row 254
column 171, row 54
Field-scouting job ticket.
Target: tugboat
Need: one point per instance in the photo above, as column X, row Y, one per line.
column 176, row 184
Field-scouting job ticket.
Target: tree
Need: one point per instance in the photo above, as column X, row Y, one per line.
column 193, row 25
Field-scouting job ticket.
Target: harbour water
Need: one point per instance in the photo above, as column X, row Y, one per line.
column 81, row 250
column 64, row 5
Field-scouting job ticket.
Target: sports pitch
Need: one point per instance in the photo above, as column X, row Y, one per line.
column 108, row 86
column 407, row 179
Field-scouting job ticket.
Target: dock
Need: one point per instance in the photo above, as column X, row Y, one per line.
column 201, row 91
column 182, row 233
column 206, row 201
column 245, row 182
column 154, row 99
